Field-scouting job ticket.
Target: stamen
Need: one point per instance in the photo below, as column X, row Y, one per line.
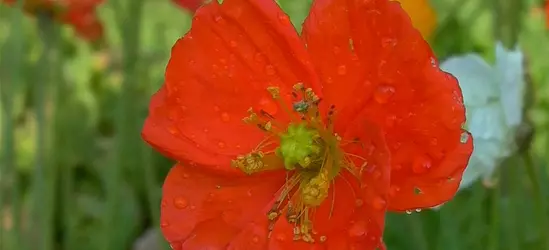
column 310, row 152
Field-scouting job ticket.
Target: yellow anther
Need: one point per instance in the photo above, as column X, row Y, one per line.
column 305, row 162
column 272, row 215
column 274, row 91
column 250, row 163
column 268, row 126
column 299, row 86
column 316, row 189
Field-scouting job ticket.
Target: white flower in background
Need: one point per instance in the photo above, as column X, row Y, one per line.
column 493, row 97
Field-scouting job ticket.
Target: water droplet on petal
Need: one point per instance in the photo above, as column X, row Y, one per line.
column 268, row 106
column 421, row 164
column 281, row 237
column 379, row 203
column 221, row 144
column 283, row 18
column 408, row 211
column 269, row 70
column 255, row 239
column 418, row 210
column 393, row 190
column 218, row 19
column 173, row 130
column 164, row 224
column 358, row 229
column 206, row 130
column 390, row 120
column 359, row 202
column 225, row 117
column 216, row 108
column 342, row 70
column 383, row 93
column 233, row 44
column 164, row 203
column 180, row 203
column 249, row 193
column 464, row 137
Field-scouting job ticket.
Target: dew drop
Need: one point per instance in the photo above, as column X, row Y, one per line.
column 225, row 117
column 258, row 57
column 221, row 144
column 418, row 210
column 233, row 44
column 283, row 18
column 421, row 164
column 390, row 120
column 163, row 204
column 216, row 108
column 269, row 70
column 383, row 93
column 336, row 50
column 464, row 137
column 408, row 211
column 323, row 238
column 180, row 203
column 164, row 224
column 192, row 207
column 249, row 193
column 342, row 70
column 255, row 239
column 359, row 202
column 393, row 190
column 205, row 130
column 358, row 229
column 379, row 203
column 268, row 106
column 218, row 19
column 281, row 237
column 185, row 175
column 173, row 130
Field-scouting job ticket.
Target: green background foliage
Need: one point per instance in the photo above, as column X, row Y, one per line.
column 75, row 174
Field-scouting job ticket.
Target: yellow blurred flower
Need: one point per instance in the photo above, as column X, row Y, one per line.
column 422, row 14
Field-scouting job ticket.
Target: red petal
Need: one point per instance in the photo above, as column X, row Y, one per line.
column 327, row 33
column 205, row 211
column 411, row 191
column 222, row 67
column 401, row 88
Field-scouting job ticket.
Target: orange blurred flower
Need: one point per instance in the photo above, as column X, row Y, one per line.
column 341, row 124
column 422, row 14
column 79, row 14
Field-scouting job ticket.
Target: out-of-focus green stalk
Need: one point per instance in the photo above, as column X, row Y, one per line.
column 494, row 229
column 8, row 169
column 416, row 229
column 127, row 157
column 538, row 200
column 42, row 211
column 508, row 20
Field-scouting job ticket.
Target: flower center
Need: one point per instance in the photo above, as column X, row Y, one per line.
column 308, row 150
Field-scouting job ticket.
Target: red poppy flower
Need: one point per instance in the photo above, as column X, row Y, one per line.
column 190, row 5
column 349, row 120
column 80, row 14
